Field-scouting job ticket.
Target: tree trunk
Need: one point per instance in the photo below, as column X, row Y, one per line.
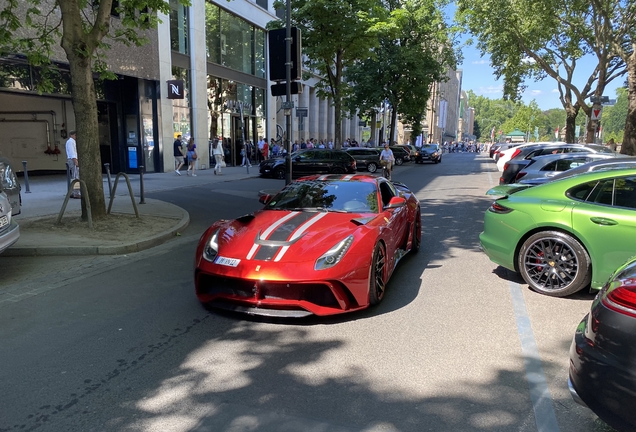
column 373, row 128
column 629, row 138
column 570, row 123
column 393, row 125
column 85, row 109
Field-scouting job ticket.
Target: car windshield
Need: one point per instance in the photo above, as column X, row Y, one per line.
column 320, row 195
column 429, row 147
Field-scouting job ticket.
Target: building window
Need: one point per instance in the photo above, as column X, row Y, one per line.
column 178, row 27
column 259, row 53
column 237, row 43
column 181, row 113
column 262, row 3
column 213, row 32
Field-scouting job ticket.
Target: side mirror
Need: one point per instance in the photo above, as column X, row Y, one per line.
column 265, row 199
column 396, row 202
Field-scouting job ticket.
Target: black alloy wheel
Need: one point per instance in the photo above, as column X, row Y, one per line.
column 377, row 280
column 372, row 167
column 279, row 173
column 554, row 263
column 399, row 161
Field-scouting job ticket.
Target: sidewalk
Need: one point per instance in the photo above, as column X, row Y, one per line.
column 43, row 203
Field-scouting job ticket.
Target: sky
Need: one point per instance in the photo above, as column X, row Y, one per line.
column 478, row 76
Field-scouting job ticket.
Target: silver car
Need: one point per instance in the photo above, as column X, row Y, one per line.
column 549, row 166
column 620, row 161
column 10, row 205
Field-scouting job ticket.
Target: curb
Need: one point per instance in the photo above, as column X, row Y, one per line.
column 150, row 242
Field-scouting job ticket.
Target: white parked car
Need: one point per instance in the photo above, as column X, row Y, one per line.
column 506, row 155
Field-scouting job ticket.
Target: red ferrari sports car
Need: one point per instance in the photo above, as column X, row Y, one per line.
column 323, row 245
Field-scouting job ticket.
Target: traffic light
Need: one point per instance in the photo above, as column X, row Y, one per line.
column 277, row 55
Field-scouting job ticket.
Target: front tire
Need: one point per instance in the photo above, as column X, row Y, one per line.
column 399, row 161
column 377, row 281
column 372, row 167
column 280, row 173
column 554, row 263
column 417, row 233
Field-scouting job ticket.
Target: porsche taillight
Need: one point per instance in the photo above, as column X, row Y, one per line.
column 622, row 297
column 495, row 207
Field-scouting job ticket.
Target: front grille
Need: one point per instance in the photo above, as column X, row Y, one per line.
column 316, row 293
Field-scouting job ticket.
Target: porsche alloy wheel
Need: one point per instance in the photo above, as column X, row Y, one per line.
column 378, row 270
column 372, row 167
column 554, row 263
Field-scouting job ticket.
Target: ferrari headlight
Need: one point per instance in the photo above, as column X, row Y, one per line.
column 334, row 255
column 211, row 249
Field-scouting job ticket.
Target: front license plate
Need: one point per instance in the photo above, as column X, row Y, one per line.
column 4, row 220
column 230, row 262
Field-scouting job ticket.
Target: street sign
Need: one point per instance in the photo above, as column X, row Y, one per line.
column 596, row 113
column 362, row 123
column 577, row 131
column 301, row 112
column 610, row 102
column 600, row 99
column 536, row 132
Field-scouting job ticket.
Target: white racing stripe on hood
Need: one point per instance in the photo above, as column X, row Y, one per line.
column 269, row 230
column 348, row 177
column 304, row 227
column 323, row 177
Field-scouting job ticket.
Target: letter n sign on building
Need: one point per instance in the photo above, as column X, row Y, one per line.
column 175, row 89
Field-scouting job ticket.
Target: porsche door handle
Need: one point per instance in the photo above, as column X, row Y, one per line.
column 603, row 221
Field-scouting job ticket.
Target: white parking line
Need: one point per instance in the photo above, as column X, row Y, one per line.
column 544, row 415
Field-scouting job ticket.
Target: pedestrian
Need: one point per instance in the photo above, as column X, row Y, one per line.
column 246, row 151
column 191, row 151
column 260, row 145
column 178, row 154
column 217, row 151
column 71, row 161
column 387, row 160
column 266, row 149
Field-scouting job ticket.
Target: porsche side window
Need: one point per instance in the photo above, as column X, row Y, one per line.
column 625, row 192
column 603, row 193
column 582, row 191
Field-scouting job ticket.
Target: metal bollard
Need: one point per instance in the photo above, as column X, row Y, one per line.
column 26, row 177
column 141, row 185
column 110, row 185
column 68, row 176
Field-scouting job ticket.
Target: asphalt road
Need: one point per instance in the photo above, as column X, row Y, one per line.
column 458, row 344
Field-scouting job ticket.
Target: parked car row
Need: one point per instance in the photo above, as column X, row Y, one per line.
column 352, row 159
column 565, row 219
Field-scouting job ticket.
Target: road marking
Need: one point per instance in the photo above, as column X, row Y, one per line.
column 544, row 415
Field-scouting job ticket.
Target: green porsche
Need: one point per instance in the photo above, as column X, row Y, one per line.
column 564, row 235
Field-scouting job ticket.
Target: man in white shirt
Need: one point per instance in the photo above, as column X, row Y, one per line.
column 387, row 160
column 260, row 144
column 71, row 160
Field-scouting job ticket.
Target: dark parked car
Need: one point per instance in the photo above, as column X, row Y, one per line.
column 312, row 161
column 400, row 154
column 603, row 353
column 366, row 158
column 429, row 152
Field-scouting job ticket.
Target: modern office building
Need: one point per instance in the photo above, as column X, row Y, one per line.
column 216, row 49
